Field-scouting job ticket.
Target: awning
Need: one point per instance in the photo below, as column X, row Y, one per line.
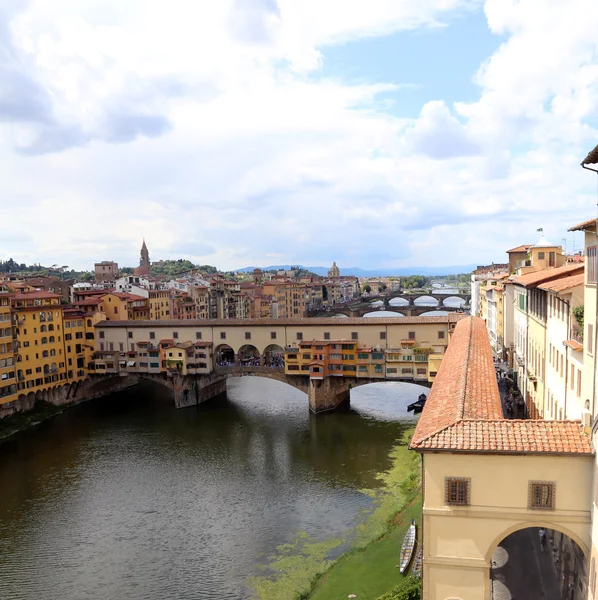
column 123, row 363
column 131, row 363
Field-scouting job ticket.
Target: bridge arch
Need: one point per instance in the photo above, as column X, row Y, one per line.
column 224, row 355
column 426, row 300
column 512, row 573
column 547, row 524
column 273, row 356
column 249, row 355
column 462, row 301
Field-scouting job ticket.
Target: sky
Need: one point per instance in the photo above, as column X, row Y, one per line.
column 378, row 133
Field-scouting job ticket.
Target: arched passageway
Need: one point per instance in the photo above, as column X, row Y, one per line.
column 224, row 356
column 426, row 301
column 249, row 356
column 273, row 356
column 538, row 563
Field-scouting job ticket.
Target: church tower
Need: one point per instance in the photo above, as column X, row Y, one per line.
column 334, row 271
column 144, row 261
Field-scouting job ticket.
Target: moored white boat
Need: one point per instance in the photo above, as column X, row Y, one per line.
column 416, row 570
column 407, row 548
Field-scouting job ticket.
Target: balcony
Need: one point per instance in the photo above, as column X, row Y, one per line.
column 577, row 332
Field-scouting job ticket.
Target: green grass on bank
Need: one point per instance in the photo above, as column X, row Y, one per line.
column 23, row 420
column 371, row 572
column 303, row 569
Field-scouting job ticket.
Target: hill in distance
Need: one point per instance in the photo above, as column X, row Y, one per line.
column 357, row 272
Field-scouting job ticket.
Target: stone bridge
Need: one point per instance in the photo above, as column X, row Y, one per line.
column 190, row 390
column 362, row 306
column 323, row 395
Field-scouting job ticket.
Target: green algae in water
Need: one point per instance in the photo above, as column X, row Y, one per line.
column 295, row 566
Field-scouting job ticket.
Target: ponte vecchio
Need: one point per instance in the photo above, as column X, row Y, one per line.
column 324, row 357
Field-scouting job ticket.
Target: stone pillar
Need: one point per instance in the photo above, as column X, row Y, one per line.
column 193, row 390
column 327, row 394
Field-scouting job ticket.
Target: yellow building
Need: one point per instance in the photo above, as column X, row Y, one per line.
column 159, row 304
column 41, row 360
column 79, row 342
column 8, row 379
column 490, row 483
column 118, row 306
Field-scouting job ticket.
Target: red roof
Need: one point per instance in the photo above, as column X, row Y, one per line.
column 523, row 248
column 463, row 412
column 537, row 277
column 33, row 295
column 564, row 284
column 589, row 224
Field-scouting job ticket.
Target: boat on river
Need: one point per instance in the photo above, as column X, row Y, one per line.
column 407, row 548
column 418, row 405
column 416, row 569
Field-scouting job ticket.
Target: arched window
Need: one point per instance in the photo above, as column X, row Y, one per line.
column 43, row 328
column 44, row 340
column 45, row 354
column 42, row 316
column 53, row 368
column 52, row 352
column 50, row 327
column 52, row 339
column 50, row 316
column 46, row 369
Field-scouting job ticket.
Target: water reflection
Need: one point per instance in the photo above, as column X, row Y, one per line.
column 126, row 497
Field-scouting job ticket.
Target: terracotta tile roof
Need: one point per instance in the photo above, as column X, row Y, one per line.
column 512, row 436
column 589, row 224
column 523, row 248
column 447, row 319
column 574, row 345
column 463, row 412
column 537, row 277
column 563, row 284
column 33, row 295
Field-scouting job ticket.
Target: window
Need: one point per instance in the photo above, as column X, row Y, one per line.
column 363, row 356
column 175, row 335
column 293, row 367
column 101, row 335
column 223, row 335
column 411, row 335
column 441, row 335
column 591, row 264
column 391, row 370
column 457, row 491
column 354, row 335
column 121, row 346
column 154, row 365
column 152, row 335
column 273, row 335
column 541, row 495
column 421, row 371
column 198, row 335
column 383, row 335
column 551, row 259
column 326, row 335
column 363, row 368
column 248, row 335
column 299, row 335
column 540, row 255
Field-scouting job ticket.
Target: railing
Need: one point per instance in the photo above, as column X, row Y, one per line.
column 577, row 332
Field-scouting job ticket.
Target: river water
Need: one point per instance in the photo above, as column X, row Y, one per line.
column 126, row 498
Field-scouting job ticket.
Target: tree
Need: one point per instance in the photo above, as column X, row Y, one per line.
column 367, row 288
column 381, row 287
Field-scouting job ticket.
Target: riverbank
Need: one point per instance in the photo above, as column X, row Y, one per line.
column 303, row 570
column 25, row 420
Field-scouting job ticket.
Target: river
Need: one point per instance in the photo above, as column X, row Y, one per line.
column 126, row 498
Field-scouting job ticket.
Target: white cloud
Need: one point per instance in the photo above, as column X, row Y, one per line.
column 197, row 125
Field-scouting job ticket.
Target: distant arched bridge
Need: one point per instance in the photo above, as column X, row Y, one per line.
column 362, row 306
